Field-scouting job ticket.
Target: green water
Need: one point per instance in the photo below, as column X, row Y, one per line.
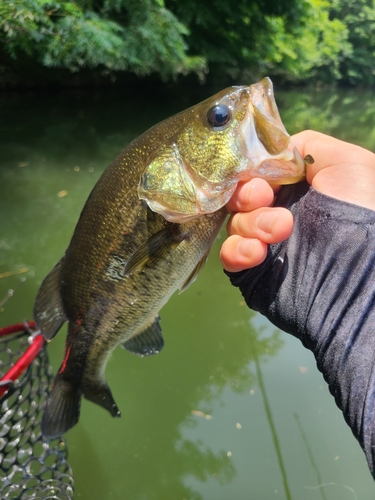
column 232, row 408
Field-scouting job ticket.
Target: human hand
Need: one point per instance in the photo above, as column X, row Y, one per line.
column 340, row 170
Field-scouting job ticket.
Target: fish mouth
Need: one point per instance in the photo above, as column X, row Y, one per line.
column 266, row 143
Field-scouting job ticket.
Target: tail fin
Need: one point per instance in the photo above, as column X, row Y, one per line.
column 62, row 408
column 48, row 309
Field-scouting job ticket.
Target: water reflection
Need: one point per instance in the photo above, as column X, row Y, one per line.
column 239, row 374
column 205, row 418
column 346, row 114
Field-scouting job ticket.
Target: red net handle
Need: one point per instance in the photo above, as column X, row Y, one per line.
column 36, row 344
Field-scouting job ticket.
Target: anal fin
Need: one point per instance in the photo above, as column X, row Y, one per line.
column 149, row 341
column 48, row 308
column 101, row 395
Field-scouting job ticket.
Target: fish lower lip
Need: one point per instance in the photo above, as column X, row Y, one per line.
column 281, row 171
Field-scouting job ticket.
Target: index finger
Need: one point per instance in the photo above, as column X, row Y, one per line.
column 251, row 195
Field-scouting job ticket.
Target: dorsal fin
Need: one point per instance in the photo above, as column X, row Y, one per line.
column 149, row 341
column 48, row 309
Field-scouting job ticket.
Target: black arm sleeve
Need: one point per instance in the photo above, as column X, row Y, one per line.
column 319, row 285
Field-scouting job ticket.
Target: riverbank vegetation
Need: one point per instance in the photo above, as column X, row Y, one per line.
column 296, row 41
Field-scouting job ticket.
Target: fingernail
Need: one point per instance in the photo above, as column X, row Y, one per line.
column 266, row 220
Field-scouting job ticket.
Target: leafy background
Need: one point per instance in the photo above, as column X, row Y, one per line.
column 96, row 41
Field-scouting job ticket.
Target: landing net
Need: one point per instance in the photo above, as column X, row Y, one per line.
column 30, row 466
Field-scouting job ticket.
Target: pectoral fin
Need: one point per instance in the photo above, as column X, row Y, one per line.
column 149, row 341
column 156, row 248
column 193, row 276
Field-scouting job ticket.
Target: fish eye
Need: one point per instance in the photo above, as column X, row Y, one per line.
column 219, row 115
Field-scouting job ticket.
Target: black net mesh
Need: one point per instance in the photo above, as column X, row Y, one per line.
column 30, row 466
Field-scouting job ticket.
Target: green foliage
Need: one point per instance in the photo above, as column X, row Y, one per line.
column 299, row 40
column 357, row 66
column 311, row 49
column 295, row 39
column 147, row 39
column 237, row 36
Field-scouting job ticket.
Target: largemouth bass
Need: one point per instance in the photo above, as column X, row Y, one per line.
column 146, row 231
